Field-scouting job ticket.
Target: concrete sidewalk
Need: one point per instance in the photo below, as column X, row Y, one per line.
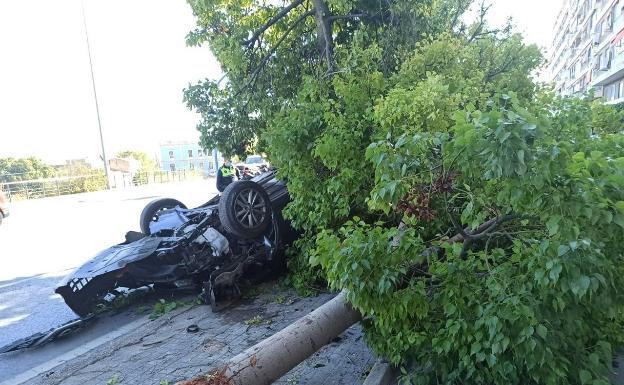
column 165, row 350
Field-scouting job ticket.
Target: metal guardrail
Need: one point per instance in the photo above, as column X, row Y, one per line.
column 42, row 188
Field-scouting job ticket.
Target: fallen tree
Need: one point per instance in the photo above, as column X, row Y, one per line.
column 381, row 112
column 270, row 359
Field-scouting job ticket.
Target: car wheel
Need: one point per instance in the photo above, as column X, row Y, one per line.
column 245, row 209
column 150, row 212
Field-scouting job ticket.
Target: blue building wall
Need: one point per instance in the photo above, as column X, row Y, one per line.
column 187, row 156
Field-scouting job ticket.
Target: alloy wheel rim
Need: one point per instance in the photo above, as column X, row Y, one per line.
column 250, row 208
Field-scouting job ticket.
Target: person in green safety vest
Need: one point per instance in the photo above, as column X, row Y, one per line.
column 226, row 174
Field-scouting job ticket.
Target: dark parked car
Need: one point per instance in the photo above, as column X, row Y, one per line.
column 233, row 239
column 4, row 206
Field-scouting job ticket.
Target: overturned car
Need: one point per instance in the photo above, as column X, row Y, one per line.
column 234, row 238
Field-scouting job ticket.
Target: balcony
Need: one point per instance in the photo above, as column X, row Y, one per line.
column 607, row 36
column 615, row 72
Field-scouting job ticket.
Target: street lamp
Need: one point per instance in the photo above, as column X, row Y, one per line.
column 97, row 108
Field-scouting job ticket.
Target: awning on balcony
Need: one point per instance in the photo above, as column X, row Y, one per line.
column 618, row 37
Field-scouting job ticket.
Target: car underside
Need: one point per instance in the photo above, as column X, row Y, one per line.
column 233, row 239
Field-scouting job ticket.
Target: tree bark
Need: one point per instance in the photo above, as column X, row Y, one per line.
column 324, row 32
column 275, row 356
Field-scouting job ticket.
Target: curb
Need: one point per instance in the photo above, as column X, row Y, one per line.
column 382, row 373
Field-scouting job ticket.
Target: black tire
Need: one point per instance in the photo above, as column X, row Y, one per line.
column 245, row 209
column 150, row 212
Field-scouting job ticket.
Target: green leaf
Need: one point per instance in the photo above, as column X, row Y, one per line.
column 541, row 331
column 585, row 376
column 554, row 272
column 553, row 224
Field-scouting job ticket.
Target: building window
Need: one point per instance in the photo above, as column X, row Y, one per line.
column 200, row 153
column 613, row 91
column 171, row 156
column 172, row 167
column 191, row 166
column 201, row 165
column 609, row 21
column 190, row 153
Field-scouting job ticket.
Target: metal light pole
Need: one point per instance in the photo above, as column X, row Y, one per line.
column 215, row 154
column 97, row 108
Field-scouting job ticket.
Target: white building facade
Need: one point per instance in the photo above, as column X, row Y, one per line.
column 587, row 51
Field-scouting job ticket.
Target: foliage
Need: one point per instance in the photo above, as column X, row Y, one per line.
column 268, row 59
column 162, row 307
column 17, row 169
column 147, row 164
column 256, row 320
column 606, row 119
column 305, row 280
column 95, row 181
column 84, row 178
column 534, row 300
column 407, row 129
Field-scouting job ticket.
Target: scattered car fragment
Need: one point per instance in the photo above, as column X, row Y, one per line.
column 43, row 338
column 234, row 238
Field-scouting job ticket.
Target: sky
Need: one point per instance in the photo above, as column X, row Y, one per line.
column 141, row 65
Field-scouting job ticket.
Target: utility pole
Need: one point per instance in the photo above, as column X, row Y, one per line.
column 97, row 108
column 215, row 154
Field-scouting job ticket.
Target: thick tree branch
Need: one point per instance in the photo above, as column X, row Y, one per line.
column 458, row 12
column 509, row 61
column 478, row 31
column 280, row 15
column 324, row 32
column 267, row 57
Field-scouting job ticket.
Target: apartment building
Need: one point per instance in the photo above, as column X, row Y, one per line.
column 587, row 51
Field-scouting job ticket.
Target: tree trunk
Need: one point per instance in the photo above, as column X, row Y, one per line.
column 270, row 359
column 324, row 33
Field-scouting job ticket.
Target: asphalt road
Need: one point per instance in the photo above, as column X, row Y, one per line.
column 44, row 239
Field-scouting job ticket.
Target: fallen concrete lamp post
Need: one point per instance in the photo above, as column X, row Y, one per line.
column 270, row 359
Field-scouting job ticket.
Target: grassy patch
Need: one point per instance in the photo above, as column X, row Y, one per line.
column 163, row 307
column 258, row 320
